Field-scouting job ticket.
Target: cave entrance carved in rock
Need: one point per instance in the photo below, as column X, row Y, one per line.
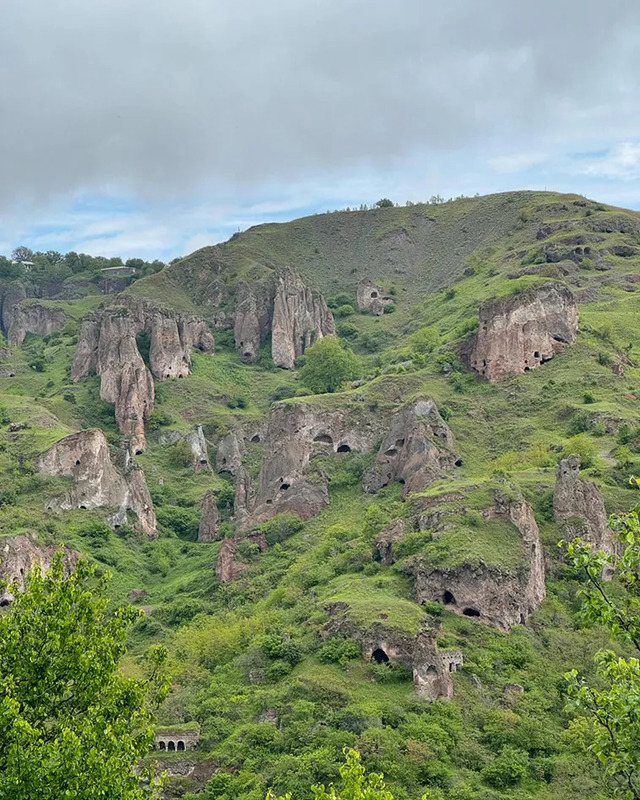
column 379, row 656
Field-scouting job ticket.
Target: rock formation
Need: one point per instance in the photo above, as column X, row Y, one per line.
column 85, row 458
column 387, row 538
column 285, row 306
column 295, row 433
column 30, row 317
column 198, row 444
column 209, row 528
column 229, row 453
column 432, row 668
column 229, row 567
column 372, row 298
column 579, row 508
column 521, row 332
column 300, row 317
column 107, row 345
column 19, row 555
column 486, row 592
column 417, row 450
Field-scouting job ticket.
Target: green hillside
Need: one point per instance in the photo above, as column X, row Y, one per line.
column 270, row 665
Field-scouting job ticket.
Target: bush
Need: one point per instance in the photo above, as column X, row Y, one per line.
column 8, row 497
column 384, row 202
column 95, row 530
column 182, row 521
column 281, row 527
column 390, row 308
column 580, row 423
column 282, row 393
column 588, row 398
column 582, row 446
column 69, row 397
column 344, row 310
column 508, row 769
column 347, row 330
column 226, row 497
column 329, row 366
column 339, row 651
column 38, row 364
column 181, row 455
column 425, row 340
column 237, row 402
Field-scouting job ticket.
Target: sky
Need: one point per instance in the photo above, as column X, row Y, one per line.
column 149, row 128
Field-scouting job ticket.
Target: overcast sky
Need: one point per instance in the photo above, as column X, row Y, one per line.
column 152, row 127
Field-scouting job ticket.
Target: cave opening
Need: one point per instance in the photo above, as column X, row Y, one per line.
column 77, row 462
column 171, row 746
column 379, row 656
column 255, row 439
column 448, row 598
column 374, row 294
column 180, row 745
column 471, row 612
column 284, row 487
column 4, row 603
column 323, row 437
column 536, row 354
column 344, row 448
column 162, row 746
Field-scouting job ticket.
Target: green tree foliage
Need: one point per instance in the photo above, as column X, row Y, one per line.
column 356, row 784
column 70, row 724
column 613, row 704
column 384, row 202
column 328, row 366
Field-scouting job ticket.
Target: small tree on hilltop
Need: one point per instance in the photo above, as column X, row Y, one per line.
column 614, row 704
column 70, row 724
column 384, row 202
column 329, row 365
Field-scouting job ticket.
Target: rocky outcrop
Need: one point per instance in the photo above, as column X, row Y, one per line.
column 523, row 331
column 19, row 555
column 300, row 317
column 108, row 346
column 285, row 307
column 579, row 508
column 198, row 444
column 490, row 593
column 209, row 528
column 387, row 538
column 432, row 668
column 86, row 459
column 296, row 432
column 29, row 317
column 372, row 298
column 229, row 566
column 417, row 450
column 229, row 453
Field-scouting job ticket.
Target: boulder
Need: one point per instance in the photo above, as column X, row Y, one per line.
column 417, row 450
column 372, row 298
column 24, row 318
column 578, row 506
column 86, row 459
column 521, row 332
column 19, row 555
column 209, row 528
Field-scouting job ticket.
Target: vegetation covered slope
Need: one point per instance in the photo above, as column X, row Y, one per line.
column 258, row 663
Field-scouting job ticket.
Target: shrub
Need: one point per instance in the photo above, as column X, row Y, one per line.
column 604, row 359
column 344, row 310
column 95, row 530
column 8, row 497
column 69, row 397
column 384, row 202
column 508, row 769
column 182, row 521
column 329, row 365
column 582, row 446
column 580, row 423
column 425, row 340
column 347, row 330
column 38, row 364
column 237, row 402
column 390, row 308
column 281, row 527
column 282, row 392
column 226, row 496
column 181, row 455
column 339, row 651
column 588, row 398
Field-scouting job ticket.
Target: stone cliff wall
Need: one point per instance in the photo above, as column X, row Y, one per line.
column 523, row 331
column 19, row 555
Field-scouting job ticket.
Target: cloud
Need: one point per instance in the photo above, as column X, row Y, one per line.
column 621, row 161
column 153, row 98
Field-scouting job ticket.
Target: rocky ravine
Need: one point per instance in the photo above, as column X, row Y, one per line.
column 86, row 459
column 521, row 332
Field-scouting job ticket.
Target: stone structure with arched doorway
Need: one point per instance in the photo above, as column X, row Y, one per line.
column 176, row 740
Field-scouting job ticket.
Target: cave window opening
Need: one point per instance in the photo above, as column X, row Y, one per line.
column 84, row 508
column 522, row 619
column 431, row 670
column 452, row 667
column 448, row 598
column 391, row 452
column 471, row 612
column 401, row 481
column 247, row 354
column 344, row 448
column 77, row 462
column 379, row 656
column 399, row 442
column 171, row 746
column 323, row 437
column 203, row 460
column 374, row 294
column 4, row 603
column 284, row 487
column 536, row 354
column 458, row 462
column 180, row 746
column 162, row 746
column 527, row 369
column 255, row 439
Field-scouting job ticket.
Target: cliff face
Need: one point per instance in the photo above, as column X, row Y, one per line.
column 19, row 555
column 22, row 318
column 579, row 508
column 208, row 530
column 107, row 344
column 86, row 459
column 285, row 306
column 300, row 317
column 491, row 594
column 523, row 331
column 417, row 450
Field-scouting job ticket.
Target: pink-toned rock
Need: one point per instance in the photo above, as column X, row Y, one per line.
column 228, row 566
column 19, row 555
column 521, row 332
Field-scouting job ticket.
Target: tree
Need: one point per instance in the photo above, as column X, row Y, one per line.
column 70, row 724
column 22, row 254
column 356, row 784
column 384, row 202
column 329, row 365
column 613, row 706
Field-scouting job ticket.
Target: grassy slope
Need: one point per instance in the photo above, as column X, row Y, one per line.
column 225, row 675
